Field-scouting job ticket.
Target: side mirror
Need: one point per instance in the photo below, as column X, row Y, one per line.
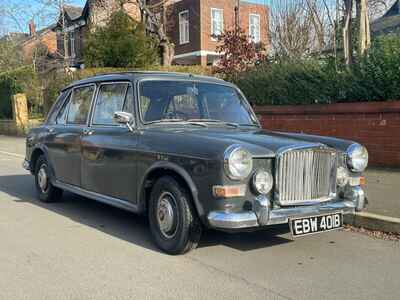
column 125, row 118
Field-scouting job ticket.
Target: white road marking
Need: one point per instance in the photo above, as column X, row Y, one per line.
column 12, row 154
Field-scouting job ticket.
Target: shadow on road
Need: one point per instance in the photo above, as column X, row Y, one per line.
column 125, row 225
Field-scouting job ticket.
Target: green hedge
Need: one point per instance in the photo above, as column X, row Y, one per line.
column 375, row 77
column 11, row 83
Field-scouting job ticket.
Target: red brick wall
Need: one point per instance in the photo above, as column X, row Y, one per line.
column 373, row 124
column 228, row 7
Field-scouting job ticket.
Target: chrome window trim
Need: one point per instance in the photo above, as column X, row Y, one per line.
column 93, row 108
column 90, row 106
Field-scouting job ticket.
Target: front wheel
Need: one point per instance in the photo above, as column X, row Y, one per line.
column 173, row 221
column 46, row 191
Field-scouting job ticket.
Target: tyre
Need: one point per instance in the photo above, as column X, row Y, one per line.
column 174, row 223
column 46, row 191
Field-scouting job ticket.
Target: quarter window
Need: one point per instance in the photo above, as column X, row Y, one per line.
column 62, row 114
column 111, row 98
column 184, row 27
column 254, row 27
column 217, row 22
column 80, row 104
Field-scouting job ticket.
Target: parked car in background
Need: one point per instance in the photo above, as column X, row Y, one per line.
column 189, row 152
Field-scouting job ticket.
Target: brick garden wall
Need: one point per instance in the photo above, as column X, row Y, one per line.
column 373, row 124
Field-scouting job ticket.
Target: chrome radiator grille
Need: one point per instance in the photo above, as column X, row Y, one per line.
column 305, row 176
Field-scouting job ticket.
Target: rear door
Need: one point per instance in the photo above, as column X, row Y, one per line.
column 108, row 148
column 64, row 138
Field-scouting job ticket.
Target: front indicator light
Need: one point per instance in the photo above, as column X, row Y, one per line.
column 229, row 191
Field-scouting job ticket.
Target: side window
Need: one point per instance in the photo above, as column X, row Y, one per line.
column 80, row 104
column 110, row 99
column 51, row 119
column 62, row 114
column 128, row 105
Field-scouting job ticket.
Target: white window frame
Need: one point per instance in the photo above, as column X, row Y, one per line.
column 184, row 29
column 72, row 41
column 255, row 39
column 213, row 36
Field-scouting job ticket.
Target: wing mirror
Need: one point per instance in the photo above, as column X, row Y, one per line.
column 125, row 118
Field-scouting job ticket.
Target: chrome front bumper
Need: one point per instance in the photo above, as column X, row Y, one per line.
column 26, row 165
column 263, row 215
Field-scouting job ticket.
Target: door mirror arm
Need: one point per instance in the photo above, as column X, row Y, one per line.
column 125, row 118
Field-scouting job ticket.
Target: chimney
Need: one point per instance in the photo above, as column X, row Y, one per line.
column 32, row 28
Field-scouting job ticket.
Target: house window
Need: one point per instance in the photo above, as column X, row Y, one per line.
column 72, row 43
column 184, row 27
column 254, row 28
column 217, row 22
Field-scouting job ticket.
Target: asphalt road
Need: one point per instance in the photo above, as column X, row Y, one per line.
column 80, row 249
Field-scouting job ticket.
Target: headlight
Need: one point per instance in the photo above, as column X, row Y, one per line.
column 238, row 162
column 357, row 158
column 342, row 176
column 263, row 181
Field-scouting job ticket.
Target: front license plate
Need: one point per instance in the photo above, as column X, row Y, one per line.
column 315, row 224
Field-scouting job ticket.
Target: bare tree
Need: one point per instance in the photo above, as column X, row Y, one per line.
column 347, row 31
column 301, row 27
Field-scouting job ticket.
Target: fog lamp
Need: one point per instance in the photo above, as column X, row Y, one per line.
column 263, row 182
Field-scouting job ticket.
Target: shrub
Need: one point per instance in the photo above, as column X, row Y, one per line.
column 11, row 83
column 121, row 43
column 374, row 77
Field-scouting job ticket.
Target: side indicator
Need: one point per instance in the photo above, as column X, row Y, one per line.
column 229, row 191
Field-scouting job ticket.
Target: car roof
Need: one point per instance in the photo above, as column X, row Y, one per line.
column 138, row 75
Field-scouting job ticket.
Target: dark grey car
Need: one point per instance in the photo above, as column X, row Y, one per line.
column 189, row 152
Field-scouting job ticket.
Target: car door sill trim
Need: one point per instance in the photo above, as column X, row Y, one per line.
column 96, row 196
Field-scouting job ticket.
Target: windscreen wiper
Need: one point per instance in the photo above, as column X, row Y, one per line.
column 214, row 121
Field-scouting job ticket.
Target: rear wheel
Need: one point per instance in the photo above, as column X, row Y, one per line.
column 173, row 221
column 46, row 191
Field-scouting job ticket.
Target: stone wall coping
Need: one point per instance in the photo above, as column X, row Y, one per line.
column 336, row 108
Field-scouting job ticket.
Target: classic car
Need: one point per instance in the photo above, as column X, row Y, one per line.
column 189, row 152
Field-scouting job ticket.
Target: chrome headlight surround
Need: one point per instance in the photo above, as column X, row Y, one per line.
column 357, row 157
column 263, row 181
column 238, row 162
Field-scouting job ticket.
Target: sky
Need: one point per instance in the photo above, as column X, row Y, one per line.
column 15, row 14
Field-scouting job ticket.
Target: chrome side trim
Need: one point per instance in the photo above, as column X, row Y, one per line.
column 96, row 196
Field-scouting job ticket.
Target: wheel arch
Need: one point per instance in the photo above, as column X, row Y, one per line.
column 36, row 153
column 160, row 169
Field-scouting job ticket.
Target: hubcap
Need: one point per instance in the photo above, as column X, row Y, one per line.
column 166, row 217
column 43, row 178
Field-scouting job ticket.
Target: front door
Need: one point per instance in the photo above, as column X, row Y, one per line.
column 64, row 139
column 109, row 149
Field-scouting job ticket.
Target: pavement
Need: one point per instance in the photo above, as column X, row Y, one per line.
column 80, row 249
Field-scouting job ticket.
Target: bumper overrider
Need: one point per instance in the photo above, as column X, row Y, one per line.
column 263, row 214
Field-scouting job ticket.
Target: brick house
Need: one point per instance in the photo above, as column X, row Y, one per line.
column 70, row 46
column 197, row 23
column 78, row 21
column 193, row 26
column 389, row 23
column 44, row 38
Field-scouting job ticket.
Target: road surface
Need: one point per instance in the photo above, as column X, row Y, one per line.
column 80, row 249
